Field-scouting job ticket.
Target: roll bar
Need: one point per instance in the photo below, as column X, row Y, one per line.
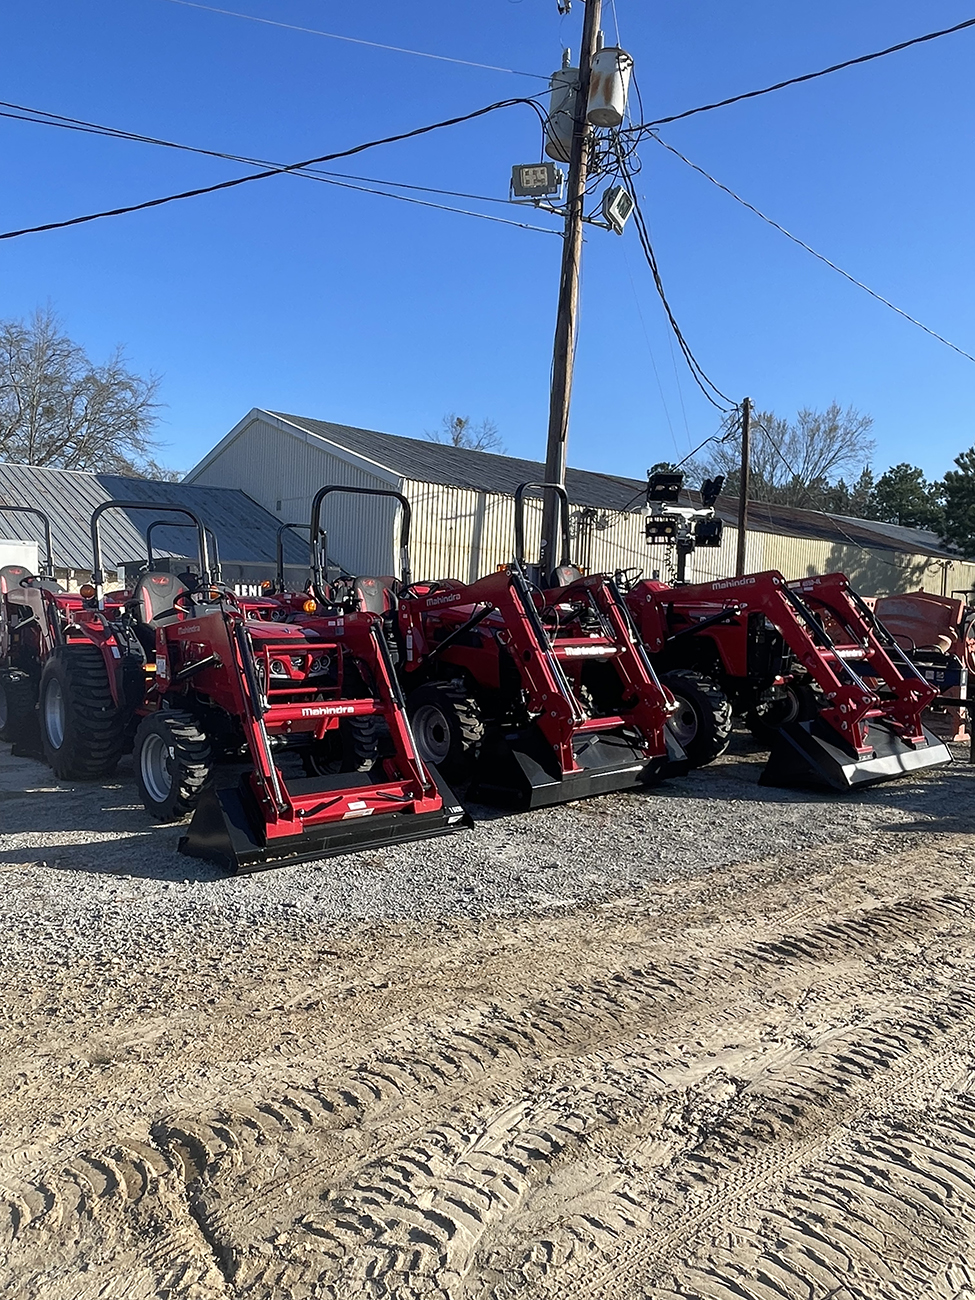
column 98, row 577
column 560, row 491
column 279, row 553
column 48, row 571
column 165, row 523
column 316, row 545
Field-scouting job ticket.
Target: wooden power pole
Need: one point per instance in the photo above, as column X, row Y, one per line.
column 746, row 433
column 565, row 325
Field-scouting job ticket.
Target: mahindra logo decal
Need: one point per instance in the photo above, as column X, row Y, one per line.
column 328, row 710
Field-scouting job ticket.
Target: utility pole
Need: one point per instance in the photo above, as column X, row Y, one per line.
column 746, row 433
column 565, row 325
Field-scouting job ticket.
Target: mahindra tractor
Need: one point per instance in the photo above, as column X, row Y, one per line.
column 286, row 740
column 815, row 672
column 506, row 692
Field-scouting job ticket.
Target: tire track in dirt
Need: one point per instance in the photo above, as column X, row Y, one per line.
column 425, row 1170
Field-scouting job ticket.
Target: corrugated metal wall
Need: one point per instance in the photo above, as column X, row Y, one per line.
column 464, row 534
column 283, row 473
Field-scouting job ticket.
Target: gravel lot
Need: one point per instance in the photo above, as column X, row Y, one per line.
column 665, row 1044
column 86, row 870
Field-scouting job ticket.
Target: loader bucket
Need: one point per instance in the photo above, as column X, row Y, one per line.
column 811, row 755
column 521, row 770
column 228, row 828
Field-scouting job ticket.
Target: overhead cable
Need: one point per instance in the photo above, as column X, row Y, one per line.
column 819, row 256
column 42, row 117
column 271, row 171
column 353, row 40
column 808, row 76
column 706, row 385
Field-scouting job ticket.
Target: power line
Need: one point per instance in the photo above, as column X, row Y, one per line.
column 808, row 76
column 272, row 171
column 41, row 117
column 353, row 40
column 802, row 244
column 705, row 384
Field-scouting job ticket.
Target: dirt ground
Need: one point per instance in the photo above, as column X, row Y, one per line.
column 755, row 1083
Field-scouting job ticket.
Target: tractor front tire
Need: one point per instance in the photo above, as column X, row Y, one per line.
column 17, row 700
column 447, row 727
column 82, row 731
column 702, row 723
column 798, row 703
column 172, row 762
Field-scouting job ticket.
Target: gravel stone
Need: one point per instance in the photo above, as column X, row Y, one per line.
column 88, row 875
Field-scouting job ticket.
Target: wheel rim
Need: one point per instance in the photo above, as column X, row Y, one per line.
column 432, row 732
column 54, row 713
column 155, row 758
column 683, row 724
column 4, row 710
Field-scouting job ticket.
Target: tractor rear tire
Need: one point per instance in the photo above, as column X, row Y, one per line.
column 172, row 763
column 17, row 700
column 447, row 727
column 82, row 731
column 702, row 723
column 800, row 703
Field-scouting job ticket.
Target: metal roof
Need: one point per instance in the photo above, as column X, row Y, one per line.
column 432, row 462
column 482, row 471
column 245, row 531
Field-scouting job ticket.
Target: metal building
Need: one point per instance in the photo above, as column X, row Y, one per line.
column 246, row 532
column 463, row 512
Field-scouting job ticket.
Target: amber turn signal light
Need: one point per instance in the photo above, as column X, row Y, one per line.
column 310, row 606
column 87, row 592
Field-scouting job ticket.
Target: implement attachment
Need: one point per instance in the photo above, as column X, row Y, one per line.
column 811, row 754
column 521, row 770
column 229, row 828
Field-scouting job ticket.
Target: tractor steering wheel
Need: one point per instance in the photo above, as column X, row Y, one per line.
column 627, row 578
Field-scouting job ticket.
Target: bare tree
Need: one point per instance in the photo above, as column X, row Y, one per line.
column 458, row 431
column 795, row 462
column 58, row 408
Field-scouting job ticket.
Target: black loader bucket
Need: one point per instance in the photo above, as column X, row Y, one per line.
column 810, row 755
column 228, row 827
column 521, row 770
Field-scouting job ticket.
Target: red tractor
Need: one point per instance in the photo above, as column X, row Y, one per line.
column 287, row 740
column 33, row 612
column 816, row 673
column 504, row 689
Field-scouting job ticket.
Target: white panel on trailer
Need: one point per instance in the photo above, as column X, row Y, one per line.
column 24, row 553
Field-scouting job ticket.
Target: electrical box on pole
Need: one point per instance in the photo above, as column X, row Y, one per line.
column 609, row 86
column 563, row 89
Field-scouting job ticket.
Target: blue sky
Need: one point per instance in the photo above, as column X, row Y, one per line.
column 299, row 296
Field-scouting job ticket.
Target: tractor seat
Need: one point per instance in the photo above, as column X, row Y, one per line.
column 11, row 576
column 565, row 575
column 374, row 595
column 152, row 605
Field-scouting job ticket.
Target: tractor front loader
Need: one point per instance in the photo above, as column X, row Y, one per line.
column 287, row 742
column 529, row 712
column 811, row 666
